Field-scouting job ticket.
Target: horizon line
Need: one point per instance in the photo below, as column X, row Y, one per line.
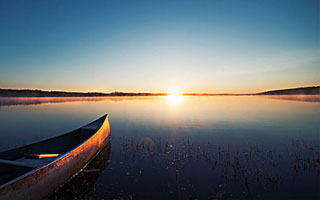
column 157, row 93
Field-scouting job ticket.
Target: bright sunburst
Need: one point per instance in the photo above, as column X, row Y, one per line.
column 174, row 97
column 174, row 92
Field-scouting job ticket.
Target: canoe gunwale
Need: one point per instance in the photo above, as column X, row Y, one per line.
column 74, row 175
column 33, row 171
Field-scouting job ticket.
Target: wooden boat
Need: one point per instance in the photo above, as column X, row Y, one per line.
column 75, row 189
column 37, row 170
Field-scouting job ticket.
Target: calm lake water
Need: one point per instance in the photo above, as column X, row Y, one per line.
column 229, row 147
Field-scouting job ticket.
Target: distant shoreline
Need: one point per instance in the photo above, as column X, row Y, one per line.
column 315, row 90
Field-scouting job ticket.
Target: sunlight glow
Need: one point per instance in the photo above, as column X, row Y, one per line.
column 174, row 92
column 174, row 98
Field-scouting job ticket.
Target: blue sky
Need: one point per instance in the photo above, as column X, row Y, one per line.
column 196, row 46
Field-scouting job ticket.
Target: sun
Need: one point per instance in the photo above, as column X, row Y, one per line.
column 174, row 92
column 174, row 97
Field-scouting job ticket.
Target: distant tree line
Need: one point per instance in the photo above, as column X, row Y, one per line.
column 294, row 91
column 40, row 93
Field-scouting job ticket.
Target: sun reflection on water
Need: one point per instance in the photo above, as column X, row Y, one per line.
column 174, row 98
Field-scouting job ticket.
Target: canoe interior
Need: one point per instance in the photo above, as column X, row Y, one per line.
column 16, row 162
column 9, row 172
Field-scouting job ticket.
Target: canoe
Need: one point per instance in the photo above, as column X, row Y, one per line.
column 37, row 170
column 80, row 186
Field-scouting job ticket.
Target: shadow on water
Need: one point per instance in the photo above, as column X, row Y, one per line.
column 304, row 98
column 79, row 186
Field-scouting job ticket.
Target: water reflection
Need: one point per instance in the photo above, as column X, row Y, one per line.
column 189, row 169
column 201, row 147
column 5, row 101
column 307, row 98
column 79, row 186
column 174, row 100
column 229, row 117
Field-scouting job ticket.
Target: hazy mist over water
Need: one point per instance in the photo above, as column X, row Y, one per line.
column 26, row 120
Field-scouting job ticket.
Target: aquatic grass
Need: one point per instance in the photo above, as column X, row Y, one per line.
column 252, row 166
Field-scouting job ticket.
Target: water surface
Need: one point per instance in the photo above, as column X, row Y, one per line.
column 234, row 147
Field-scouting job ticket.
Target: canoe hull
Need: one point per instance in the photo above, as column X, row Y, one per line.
column 41, row 183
